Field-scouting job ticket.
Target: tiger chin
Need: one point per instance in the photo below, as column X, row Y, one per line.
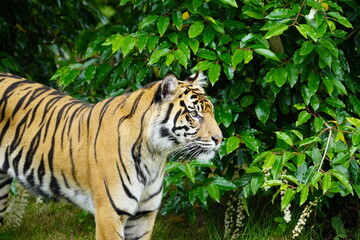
column 107, row 158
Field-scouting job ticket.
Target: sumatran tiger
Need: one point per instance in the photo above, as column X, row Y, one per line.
column 108, row 158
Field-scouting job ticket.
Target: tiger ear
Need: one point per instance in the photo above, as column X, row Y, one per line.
column 169, row 86
column 197, row 78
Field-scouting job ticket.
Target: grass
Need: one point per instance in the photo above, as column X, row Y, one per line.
column 62, row 221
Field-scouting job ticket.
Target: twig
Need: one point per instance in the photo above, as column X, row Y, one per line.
column 327, row 145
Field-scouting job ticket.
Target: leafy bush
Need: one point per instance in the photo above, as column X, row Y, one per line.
column 283, row 76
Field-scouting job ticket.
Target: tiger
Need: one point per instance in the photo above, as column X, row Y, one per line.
column 108, row 158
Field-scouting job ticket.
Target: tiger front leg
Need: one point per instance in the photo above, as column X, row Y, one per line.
column 110, row 225
column 140, row 226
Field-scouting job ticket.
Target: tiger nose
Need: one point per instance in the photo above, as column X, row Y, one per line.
column 217, row 139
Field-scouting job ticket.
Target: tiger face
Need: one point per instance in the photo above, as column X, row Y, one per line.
column 185, row 123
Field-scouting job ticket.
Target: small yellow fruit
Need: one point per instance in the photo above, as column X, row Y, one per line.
column 185, row 15
column 325, row 5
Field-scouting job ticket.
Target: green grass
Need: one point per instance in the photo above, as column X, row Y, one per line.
column 62, row 221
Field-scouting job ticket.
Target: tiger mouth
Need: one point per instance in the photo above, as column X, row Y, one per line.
column 200, row 150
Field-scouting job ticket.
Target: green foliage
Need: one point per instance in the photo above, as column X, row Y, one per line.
column 37, row 35
column 284, row 79
column 286, row 97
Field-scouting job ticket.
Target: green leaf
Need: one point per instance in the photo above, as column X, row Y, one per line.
column 202, row 163
column 116, row 41
column 173, row 37
column 280, row 76
column 169, row 59
column 246, row 101
column 272, row 183
column 230, row 2
column 262, row 110
column 194, row 45
column 298, row 134
column 267, row 53
column 206, row 54
column 89, row 73
column 214, row 73
column 283, row 136
column 339, row 86
column 69, row 77
column 306, row 31
column 292, row 73
column 203, row 194
column 128, row 45
column 354, row 121
column 343, row 180
column 303, row 117
column 324, row 55
column 155, row 57
column 196, row 29
column 341, row 157
column 356, row 138
column 222, row 183
column 269, row 161
column 289, row 194
column 256, row 181
column 336, row 102
column 177, row 19
column 306, row 48
column 147, row 21
column 338, row 225
column 280, row 14
column 162, row 24
column 181, row 57
column 203, row 65
column 208, row 35
column 304, row 195
column 328, row 84
column 214, row 192
column 123, row 2
column 250, row 142
column 238, row 57
column 342, row 20
column 310, row 140
column 172, row 165
column 254, row 14
column 232, row 143
column 313, row 85
column 141, row 43
column 248, row 56
column 190, row 171
column 276, row 30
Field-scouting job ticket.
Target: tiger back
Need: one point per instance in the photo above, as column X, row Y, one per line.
column 107, row 158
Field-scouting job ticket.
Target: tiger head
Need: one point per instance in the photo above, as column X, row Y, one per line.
column 185, row 122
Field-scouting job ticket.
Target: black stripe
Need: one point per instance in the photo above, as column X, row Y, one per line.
column 4, row 130
column 16, row 161
column 5, row 182
column 171, row 105
column 19, row 132
column 117, row 210
column 154, row 194
column 73, row 169
column 30, row 178
column 35, row 142
column 126, row 189
column 41, row 170
column 141, row 214
column 5, row 196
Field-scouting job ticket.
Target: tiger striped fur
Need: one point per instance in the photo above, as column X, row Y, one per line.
column 107, row 158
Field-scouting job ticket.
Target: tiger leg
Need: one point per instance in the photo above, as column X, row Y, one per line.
column 140, row 226
column 5, row 183
column 109, row 224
